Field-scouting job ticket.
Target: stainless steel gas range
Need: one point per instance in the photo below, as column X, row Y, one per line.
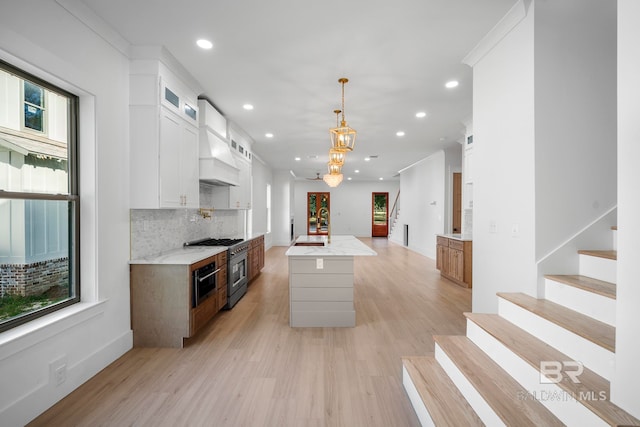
column 237, row 266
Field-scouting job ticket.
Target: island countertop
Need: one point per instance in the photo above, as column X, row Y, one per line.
column 341, row 245
column 461, row 237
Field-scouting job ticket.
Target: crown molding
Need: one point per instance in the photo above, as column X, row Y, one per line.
column 95, row 23
column 516, row 14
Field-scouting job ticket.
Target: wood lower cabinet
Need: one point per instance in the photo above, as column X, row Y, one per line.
column 454, row 260
column 255, row 257
column 162, row 312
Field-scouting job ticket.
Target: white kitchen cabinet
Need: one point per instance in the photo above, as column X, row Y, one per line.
column 179, row 186
column 164, row 139
column 235, row 196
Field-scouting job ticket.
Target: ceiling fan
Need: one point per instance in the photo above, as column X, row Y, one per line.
column 317, row 178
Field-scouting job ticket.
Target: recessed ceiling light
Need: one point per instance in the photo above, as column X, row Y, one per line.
column 298, row 159
column 421, row 114
column 400, row 133
column 268, row 135
column 348, row 178
column 451, row 84
column 366, row 159
column 357, row 171
column 247, row 107
column 204, row 44
column 381, row 178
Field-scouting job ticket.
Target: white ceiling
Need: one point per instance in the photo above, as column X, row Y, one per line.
column 285, row 57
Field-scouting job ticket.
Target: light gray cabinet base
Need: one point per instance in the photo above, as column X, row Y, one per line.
column 321, row 297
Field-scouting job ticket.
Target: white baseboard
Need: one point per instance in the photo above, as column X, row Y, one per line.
column 27, row 407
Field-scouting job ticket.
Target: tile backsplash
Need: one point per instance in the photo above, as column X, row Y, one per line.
column 158, row 230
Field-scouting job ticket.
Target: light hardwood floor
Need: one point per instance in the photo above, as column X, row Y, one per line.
column 247, row 367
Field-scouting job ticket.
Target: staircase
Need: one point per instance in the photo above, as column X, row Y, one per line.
column 538, row 362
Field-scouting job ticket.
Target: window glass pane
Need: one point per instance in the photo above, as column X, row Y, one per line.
column 380, row 209
column 33, row 94
column 33, row 118
column 35, row 269
column 171, row 97
column 190, row 111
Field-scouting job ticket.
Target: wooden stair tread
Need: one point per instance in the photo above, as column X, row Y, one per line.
column 446, row 405
column 501, row 392
column 592, row 387
column 587, row 327
column 600, row 254
column 600, row 287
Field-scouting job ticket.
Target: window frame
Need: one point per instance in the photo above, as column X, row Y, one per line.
column 73, row 195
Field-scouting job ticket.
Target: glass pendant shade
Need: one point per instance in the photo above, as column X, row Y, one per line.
column 334, row 168
column 332, row 180
column 337, row 157
column 343, row 137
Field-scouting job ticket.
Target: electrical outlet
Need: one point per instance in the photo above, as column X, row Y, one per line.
column 60, row 374
column 319, row 263
column 58, row 371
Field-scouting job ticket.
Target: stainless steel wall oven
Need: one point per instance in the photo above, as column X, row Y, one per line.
column 237, row 266
column 204, row 282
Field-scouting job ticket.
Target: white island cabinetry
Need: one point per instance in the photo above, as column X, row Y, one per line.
column 164, row 138
column 321, row 280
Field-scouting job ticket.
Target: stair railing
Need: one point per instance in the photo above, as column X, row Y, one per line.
column 394, row 210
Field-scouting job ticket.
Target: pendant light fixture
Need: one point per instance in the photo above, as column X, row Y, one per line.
column 343, row 138
column 337, row 157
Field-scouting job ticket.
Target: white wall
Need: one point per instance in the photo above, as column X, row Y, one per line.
column 624, row 384
column 261, row 175
column 90, row 335
column 282, row 202
column 575, row 117
column 503, row 186
column 350, row 204
column 423, row 203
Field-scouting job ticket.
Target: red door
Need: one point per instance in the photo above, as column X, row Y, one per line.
column 379, row 214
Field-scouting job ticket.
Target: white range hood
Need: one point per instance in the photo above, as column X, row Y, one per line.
column 217, row 165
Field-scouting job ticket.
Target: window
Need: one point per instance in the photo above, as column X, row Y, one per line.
column 39, row 202
column 268, row 208
column 33, row 106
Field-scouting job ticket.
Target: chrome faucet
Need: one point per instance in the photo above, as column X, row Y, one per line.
column 328, row 216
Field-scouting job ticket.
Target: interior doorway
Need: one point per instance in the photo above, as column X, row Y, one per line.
column 379, row 214
column 318, row 205
column 456, row 225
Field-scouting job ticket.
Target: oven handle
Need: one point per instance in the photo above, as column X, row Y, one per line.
column 200, row 279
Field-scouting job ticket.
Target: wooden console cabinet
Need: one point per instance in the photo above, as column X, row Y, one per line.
column 162, row 312
column 454, row 260
column 255, row 257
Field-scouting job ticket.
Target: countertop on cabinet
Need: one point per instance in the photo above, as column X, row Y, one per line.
column 181, row 256
column 341, row 245
column 461, row 237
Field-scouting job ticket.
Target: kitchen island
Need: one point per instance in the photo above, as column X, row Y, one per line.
column 321, row 280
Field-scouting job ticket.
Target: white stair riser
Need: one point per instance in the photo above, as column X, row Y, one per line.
column 615, row 239
column 561, row 403
column 593, row 356
column 477, row 402
column 416, row 400
column 598, row 268
column 593, row 305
